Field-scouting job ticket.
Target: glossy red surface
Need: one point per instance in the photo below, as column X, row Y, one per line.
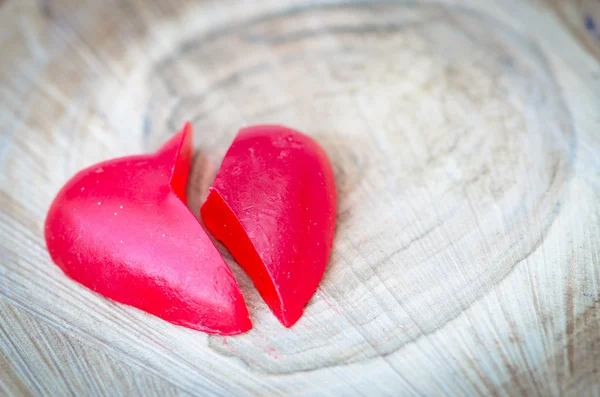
column 122, row 229
column 273, row 205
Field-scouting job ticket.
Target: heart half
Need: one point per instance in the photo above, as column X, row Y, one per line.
column 273, row 205
column 122, row 229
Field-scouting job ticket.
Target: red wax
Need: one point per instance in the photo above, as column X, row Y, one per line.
column 273, row 205
column 122, row 229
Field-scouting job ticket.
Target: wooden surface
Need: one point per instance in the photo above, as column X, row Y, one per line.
column 466, row 142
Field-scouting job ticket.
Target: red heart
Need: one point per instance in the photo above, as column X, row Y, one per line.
column 122, row 228
column 273, row 205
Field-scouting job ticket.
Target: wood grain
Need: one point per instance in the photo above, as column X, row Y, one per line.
column 464, row 137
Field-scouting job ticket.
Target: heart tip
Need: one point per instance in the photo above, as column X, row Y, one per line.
column 238, row 331
column 289, row 321
column 239, row 325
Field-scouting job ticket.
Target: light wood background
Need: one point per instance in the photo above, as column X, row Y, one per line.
column 466, row 141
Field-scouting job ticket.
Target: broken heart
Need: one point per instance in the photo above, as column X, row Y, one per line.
column 122, row 229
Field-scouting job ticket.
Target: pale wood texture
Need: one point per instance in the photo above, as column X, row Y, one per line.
column 466, row 142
